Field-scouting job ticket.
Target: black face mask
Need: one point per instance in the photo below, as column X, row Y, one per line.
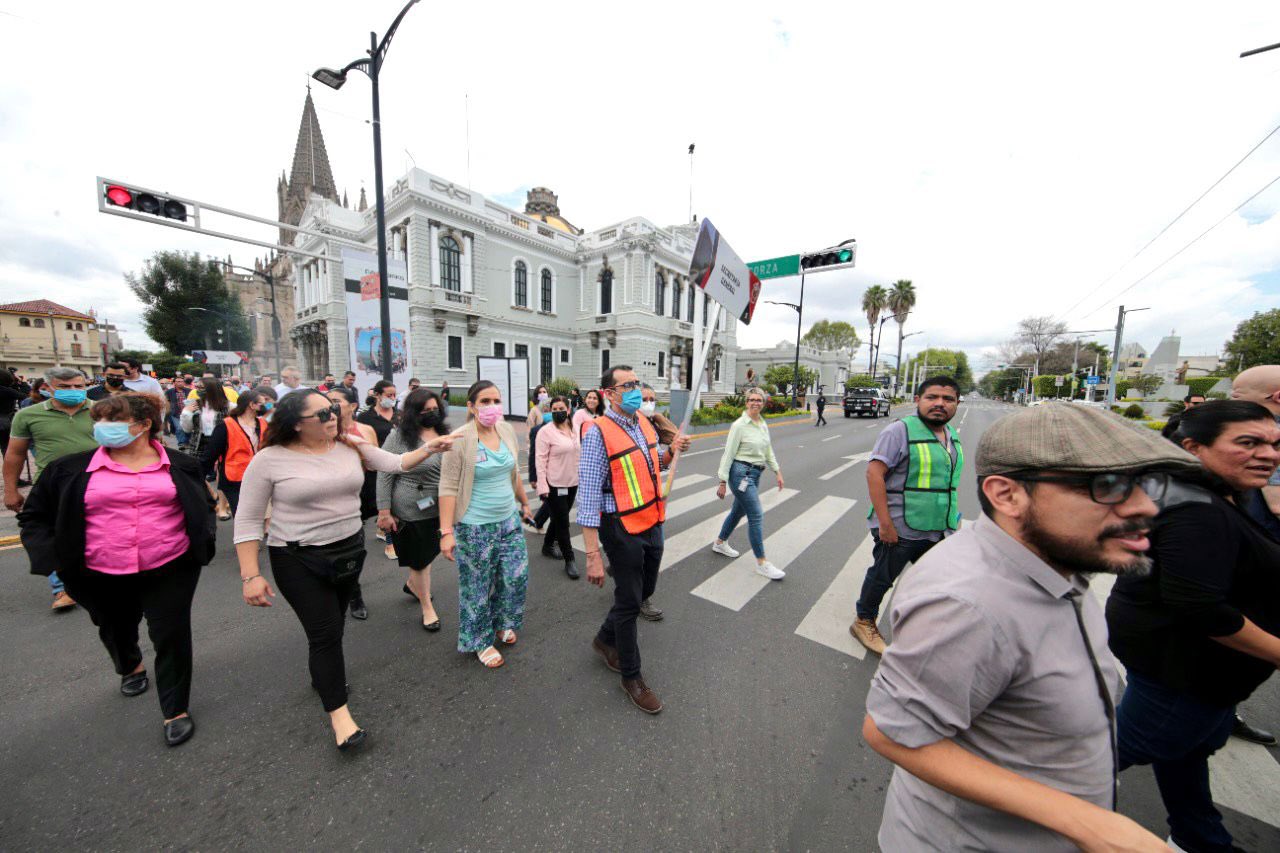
column 559, row 417
column 431, row 419
column 115, row 381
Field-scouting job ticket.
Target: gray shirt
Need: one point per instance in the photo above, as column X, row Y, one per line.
column 987, row 652
column 400, row 491
column 891, row 449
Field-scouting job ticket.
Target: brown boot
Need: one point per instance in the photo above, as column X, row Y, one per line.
column 641, row 696
column 608, row 653
column 62, row 601
column 866, row 632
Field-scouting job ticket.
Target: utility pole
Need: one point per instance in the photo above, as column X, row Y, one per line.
column 795, row 385
column 53, row 331
column 1110, row 399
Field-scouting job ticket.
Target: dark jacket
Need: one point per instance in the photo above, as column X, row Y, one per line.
column 52, row 519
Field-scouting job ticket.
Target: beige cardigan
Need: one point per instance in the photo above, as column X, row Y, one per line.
column 458, row 469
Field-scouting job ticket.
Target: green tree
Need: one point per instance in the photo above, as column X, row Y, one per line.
column 874, row 300
column 1001, row 383
column 860, row 380
column 1147, row 383
column 949, row 362
column 783, row 375
column 171, row 286
column 1091, row 348
column 831, row 335
column 163, row 363
column 1256, row 341
column 1040, row 335
column 902, row 298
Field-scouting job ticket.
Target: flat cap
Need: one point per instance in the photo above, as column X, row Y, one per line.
column 1077, row 439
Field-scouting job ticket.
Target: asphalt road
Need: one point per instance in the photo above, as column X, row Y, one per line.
column 758, row 748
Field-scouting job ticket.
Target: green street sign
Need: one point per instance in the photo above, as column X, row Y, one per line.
column 776, row 267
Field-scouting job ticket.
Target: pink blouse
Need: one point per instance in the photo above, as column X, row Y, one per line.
column 557, row 457
column 133, row 520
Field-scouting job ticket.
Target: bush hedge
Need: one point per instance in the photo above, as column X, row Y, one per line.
column 1202, row 384
column 1133, row 410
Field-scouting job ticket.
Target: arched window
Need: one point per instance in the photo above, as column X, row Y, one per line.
column 675, row 298
column 521, row 285
column 606, row 291
column 659, row 294
column 450, row 264
column 79, row 327
column 693, row 297
column 70, row 325
column 39, row 323
column 548, row 303
column 24, row 321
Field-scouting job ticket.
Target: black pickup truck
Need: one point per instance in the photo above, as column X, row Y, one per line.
column 866, row 401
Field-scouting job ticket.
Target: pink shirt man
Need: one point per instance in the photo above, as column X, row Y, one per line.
column 133, row 520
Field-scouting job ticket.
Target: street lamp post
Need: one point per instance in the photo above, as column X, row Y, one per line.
column 371, row 66
column 799, row 309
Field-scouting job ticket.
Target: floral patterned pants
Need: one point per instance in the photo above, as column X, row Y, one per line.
column 493, row 574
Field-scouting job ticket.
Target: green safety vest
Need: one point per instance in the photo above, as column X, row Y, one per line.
column 930, row 499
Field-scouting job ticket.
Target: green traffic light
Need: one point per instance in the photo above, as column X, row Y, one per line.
column 845, row 256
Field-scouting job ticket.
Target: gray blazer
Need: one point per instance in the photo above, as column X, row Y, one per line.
column 400, row 491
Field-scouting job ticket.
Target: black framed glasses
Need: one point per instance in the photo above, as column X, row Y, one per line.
column 625, row 386
column 324, row 415
column 1106, row 489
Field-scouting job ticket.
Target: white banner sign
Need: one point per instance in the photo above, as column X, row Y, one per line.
column 722, row 275
column 364, row 319
column 511, row 375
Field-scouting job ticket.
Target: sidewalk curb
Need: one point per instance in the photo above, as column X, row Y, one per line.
column 799, row 419
column 9, row 540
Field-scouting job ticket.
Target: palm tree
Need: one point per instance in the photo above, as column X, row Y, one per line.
column 874, row 300
column 902, row 298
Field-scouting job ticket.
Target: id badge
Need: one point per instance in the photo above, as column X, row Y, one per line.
column 426, row 503
column 564, row 493
column 481, row 456
column 744, row 485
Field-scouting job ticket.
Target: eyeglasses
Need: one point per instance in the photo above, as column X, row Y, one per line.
column 1107, row 489
column 324, row 415
column 625, row 386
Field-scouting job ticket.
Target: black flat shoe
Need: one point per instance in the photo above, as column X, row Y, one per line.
column 135, row 683
column 179, row 730
column 408, row 591
column 358, row 610
column 354, row 741
column 431, row 626
column 571, row 569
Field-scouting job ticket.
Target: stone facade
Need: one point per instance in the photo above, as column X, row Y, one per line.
column 40, row 334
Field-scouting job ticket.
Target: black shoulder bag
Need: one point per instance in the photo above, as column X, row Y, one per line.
column 336, row 561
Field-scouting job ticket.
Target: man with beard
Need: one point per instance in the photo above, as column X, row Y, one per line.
column 912, row 480
column 997, row 698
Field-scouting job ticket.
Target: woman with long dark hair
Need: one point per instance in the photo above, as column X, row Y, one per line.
column 408, row 501
column 234, row 441
column 203, row 413
column 558, row 449
column 311, row 470
column 539, row 402
column 482, row 500
column 1200, row 632
column 592, row 407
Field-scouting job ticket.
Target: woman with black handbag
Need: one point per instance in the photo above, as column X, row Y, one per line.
column 311, row 470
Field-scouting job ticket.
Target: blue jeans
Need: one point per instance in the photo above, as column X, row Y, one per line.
column 745, row 503
column 1176, row 733
column 175, row 424
column 55, row 583
column 889, row 562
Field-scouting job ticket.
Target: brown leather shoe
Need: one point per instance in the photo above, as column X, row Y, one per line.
column 641, row 696
column 62, row 601
column 608, row 653
column 866, row 632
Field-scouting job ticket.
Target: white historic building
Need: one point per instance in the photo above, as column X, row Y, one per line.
column 832, row 367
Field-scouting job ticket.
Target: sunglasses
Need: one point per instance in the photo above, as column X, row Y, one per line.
column 1107, row 489
column 324, row 415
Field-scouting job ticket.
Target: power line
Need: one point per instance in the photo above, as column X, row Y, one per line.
column 1188, row 246
column 1172, row 223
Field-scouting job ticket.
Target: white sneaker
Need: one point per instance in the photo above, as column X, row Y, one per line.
column 1173, row 845
column 723, row 548
column 770, row 571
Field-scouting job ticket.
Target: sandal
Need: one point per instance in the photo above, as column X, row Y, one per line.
column 491, row 658
column 508, row 637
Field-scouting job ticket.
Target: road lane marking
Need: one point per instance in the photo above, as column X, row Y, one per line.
column 1246, row 777
column 674, row 509
column 828, row 621
column 736, row 584
column 853, row 460
column 700, row 452
column 832, row 438
column 701, row 535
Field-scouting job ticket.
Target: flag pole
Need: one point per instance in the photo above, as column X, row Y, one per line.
column 700, row 366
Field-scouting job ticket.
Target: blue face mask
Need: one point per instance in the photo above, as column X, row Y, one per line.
column 111, row 434
column 70, row 396
column 546, row 417
column 631, row 400
column 268, row 406
column 44, row 392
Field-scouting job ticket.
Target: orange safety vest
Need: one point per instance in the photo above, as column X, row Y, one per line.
column 635, row 484
column 239, row 450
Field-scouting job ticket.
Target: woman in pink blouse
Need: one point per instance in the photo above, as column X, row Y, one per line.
column 558, row 449
column 129, row 527
column 311, row 469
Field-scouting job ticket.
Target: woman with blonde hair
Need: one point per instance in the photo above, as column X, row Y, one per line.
column 747, row 453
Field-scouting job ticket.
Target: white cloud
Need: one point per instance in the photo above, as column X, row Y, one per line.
column 1006, row 157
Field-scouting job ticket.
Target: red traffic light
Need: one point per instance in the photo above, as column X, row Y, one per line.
column 119, row 196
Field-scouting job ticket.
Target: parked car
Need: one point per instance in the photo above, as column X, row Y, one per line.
column 866, row 401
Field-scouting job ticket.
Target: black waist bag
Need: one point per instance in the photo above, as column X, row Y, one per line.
column 335, row 561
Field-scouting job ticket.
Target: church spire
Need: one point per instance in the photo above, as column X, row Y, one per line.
column 310, row 160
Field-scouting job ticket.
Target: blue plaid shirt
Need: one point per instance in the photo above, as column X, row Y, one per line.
column 595, row 494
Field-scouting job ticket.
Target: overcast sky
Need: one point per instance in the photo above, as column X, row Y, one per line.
column 1007, row 158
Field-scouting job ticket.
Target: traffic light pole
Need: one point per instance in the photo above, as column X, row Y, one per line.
column 384, row 289
column 795, row 383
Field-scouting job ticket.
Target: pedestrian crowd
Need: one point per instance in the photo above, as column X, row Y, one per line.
column 1008, row 698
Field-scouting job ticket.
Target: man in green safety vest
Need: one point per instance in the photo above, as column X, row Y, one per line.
column 913, row 478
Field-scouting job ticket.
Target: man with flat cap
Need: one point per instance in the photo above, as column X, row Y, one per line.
column 997, row 697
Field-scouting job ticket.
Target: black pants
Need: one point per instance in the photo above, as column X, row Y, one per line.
column 231, row 491
column 889, row 561
column 544, row 512
column 635, row 559
column 559, row 506
column 321, row 606
column 821, row 419
column 117, row 603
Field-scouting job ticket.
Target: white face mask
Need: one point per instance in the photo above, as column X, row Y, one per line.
column 648, row 407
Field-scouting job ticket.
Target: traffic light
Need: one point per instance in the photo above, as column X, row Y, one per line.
column 842, row 256
column 119, row 195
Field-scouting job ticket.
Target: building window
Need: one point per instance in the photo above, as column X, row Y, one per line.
column 499, row 349
column 522, row 351
column 77, row 351
column 659, row 295
column 717, row 370
column 693, row 297
column 24, row 321
column 79, row 327
column 604, row 361
column 547, row 291
column 38, row 322
column 564, row 356
column 522, row 285
column 70, row 325
column 706, row 308
column 675, row 298
column 606, row 291
column 455, row 352
column 662, row 364
column 545, row 354
column 450, row 264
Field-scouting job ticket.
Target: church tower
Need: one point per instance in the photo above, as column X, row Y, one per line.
column 309, row 174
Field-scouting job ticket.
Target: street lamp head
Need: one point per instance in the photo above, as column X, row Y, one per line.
column 329, row 77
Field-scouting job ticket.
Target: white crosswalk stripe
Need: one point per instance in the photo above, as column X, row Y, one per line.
column 675, row 509
column 702, row 534
column 737, row 583
column 827, row 622
column 853, row 460
column 832, row 438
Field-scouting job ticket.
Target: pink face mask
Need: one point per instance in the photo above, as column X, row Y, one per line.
column 488, row 415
